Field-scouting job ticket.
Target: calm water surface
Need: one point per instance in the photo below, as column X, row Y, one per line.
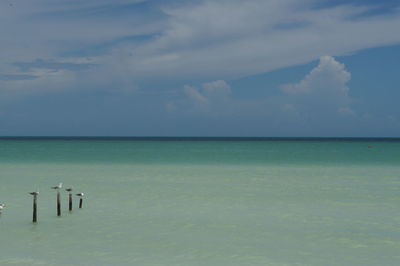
column 231, row 202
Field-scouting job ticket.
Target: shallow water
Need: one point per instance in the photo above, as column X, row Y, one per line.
column 202, row 202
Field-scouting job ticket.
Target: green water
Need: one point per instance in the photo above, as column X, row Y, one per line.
column 202, row 202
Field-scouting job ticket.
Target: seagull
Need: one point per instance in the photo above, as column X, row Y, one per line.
column 80, row 194
column 57, row 187
column 69, row 189
column 2, row 206
column 34, row 193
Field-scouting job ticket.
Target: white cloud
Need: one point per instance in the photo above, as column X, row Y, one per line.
column 45, row 80
column 205, row 40
column 217, row 89
column 45, row 29
column 323, row 90
column 230, row 39
column 329, row 75
column 195, row 95
column 320, row 95
column 213, row 98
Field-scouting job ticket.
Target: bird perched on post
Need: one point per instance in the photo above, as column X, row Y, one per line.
column 34, row 193
column 69, row 189
column 80, row 194
column 57, row 187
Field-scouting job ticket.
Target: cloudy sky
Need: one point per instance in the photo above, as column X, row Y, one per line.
column 200, row 68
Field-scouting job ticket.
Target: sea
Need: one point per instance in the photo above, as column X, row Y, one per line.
column 201, row 201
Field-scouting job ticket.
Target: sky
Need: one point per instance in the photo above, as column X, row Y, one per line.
column 265, row 68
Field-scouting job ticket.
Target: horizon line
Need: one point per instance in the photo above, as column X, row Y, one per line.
column 195, row 138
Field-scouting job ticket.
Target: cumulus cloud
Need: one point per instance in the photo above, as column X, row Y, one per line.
column 325, row 87
column 323, row 93
column 195, row 95
column 210, row 97
column 321, row 97
column 329, row 75
column 217, row 89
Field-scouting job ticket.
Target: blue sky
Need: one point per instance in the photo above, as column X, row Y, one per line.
column 200, row 68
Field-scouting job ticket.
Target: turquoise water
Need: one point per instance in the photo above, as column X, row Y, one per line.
column 159, row 202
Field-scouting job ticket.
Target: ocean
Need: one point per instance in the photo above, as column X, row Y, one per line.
column 201, row 201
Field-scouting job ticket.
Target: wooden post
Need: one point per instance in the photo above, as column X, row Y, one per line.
column 58, row 198
column 34, row 217
column 70, row 202
column 80, row 195
column 58, row 204
column 69, row 198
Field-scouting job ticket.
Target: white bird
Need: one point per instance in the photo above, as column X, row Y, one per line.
column 57, row 187
column 2, row 206
column 35, row 193
column 80, row 194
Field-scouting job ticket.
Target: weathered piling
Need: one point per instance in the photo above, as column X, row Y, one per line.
column 80, row 195
column 58, row 198
column 58, row 204
column 69, row 198
column 34, row 216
